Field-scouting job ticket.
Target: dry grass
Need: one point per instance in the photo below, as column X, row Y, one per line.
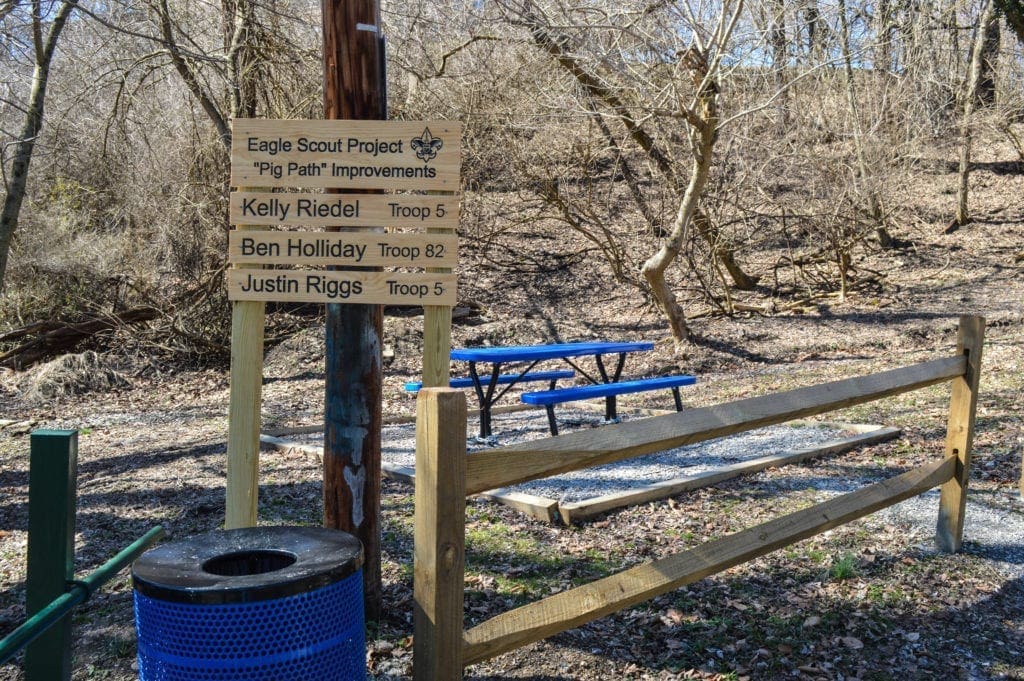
column 70, row 375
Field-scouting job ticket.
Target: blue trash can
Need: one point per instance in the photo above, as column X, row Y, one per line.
column 253, row 604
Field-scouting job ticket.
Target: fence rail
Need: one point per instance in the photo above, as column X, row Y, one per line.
column 50, row 588
column 506, row 466
column 78, row 593
column 445, row 476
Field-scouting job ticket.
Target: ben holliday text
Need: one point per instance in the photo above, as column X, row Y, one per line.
column 307, row 248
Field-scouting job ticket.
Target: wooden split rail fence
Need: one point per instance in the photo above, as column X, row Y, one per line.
column 445, row 476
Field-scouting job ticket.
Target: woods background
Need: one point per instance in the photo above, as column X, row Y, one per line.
column 711, row 157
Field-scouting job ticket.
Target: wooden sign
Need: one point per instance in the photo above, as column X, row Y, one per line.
column 343, row 155
column 345, row 210
column 343, row 249
column 346, row 154
column 315, row 286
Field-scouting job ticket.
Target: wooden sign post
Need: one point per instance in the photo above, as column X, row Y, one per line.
column 287, row 266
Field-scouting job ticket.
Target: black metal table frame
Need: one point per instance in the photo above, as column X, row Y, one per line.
column 487, row 396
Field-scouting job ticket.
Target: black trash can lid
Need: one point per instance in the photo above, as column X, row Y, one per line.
column 248, row 564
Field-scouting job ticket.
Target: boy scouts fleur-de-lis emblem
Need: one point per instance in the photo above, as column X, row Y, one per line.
column 426, row 146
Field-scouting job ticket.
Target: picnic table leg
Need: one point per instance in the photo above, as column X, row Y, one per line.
column 550, row 408
column 486, row 398
column 481, row 400
column 552, row 424
column 601, row 369
column 678, row 399
column 610, row 409
column 610, row 406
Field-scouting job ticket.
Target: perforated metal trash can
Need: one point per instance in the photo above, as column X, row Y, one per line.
column 254, row 604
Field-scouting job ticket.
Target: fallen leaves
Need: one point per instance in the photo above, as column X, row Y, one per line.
column 672, row 618
column 777, row 617
column 852, row 642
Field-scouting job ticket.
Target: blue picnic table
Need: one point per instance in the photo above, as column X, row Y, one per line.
column 497, row 356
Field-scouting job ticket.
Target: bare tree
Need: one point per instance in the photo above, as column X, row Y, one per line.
column 649, row 100
column 969, row 99
column 703, row 120
column 864, row 174
column 46, row 24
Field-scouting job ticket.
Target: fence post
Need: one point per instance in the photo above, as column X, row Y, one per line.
column 53, row 466
column 960, row 435
column 440, row 534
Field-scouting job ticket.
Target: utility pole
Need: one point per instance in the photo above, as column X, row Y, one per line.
column 354, row 89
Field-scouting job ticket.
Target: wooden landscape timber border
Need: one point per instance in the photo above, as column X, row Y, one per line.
column 446, row 476
column 588, row 508
column 553, row 511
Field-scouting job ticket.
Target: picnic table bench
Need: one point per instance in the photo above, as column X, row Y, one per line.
column 549, row 398
column 485, row 388
column 606, row 383
column 496, row 356
column 503, row 379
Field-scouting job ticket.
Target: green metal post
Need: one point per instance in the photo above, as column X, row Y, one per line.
column 51, row 547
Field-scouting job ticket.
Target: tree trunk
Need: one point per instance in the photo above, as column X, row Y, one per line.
column 704, row 134
column 864, row 173
column 192, row 80
column 986, row 95
column 777, row 38
column 963, row 215
column 883, row 38
column 815, row 28
column 30, row 130
column 239, row 17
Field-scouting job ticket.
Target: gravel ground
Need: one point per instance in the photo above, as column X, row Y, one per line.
column 399, row 447
column 992, row 530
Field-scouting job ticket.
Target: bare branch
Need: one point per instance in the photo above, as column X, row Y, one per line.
column 190, row 77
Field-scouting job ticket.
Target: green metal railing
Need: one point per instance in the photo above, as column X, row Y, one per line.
column 51, row 592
